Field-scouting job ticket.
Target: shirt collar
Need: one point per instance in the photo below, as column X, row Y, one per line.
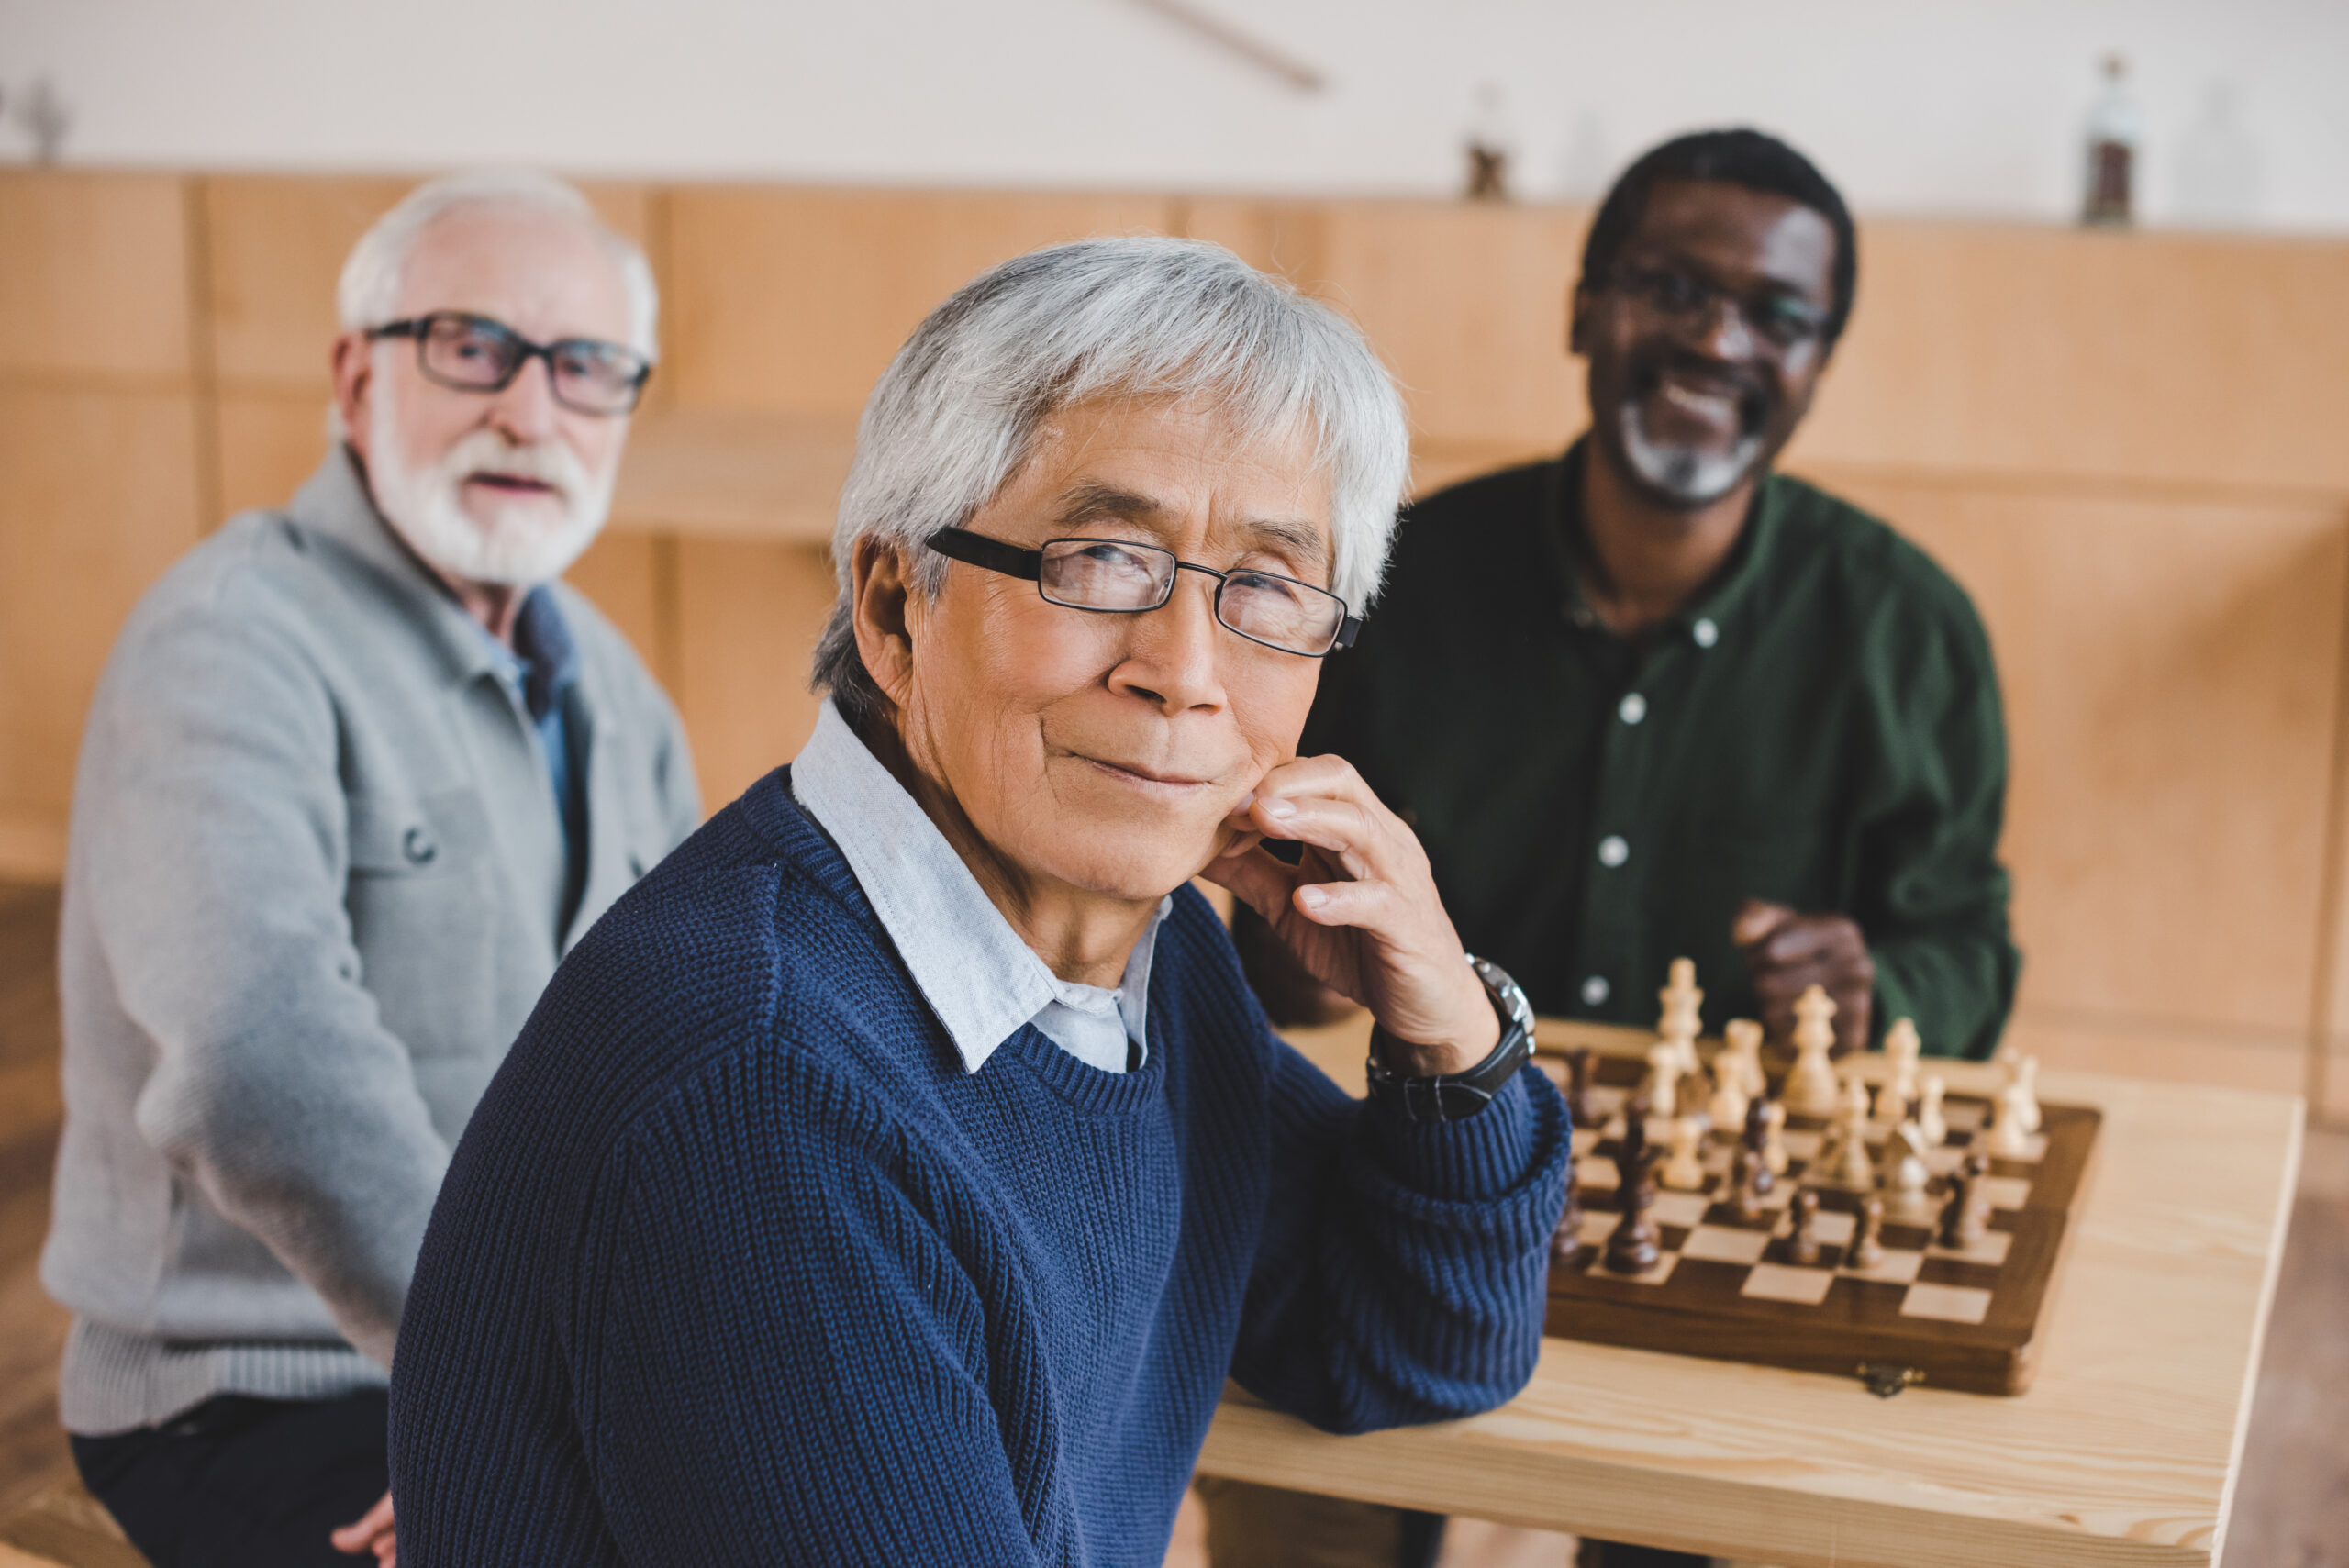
column 543, row 663
column 1701, row 620
column 981, row 980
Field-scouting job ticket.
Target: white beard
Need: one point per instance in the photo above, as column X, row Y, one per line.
column 519, row 545
column 1689, row 477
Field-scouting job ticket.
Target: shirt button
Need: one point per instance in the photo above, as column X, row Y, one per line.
column 417, row 845
column 1612, row 851
column 1593, row 990
column 1706, row 633
column 1632, row 708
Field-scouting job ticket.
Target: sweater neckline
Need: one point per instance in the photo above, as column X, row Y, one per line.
column 1086, row 1088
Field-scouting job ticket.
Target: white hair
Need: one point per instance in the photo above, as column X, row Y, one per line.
column 369, row 294
column 960, row 407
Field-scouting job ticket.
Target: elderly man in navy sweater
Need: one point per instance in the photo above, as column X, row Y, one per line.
column 896, row 1173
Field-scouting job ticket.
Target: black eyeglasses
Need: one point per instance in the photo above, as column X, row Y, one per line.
column 474, row 353
column 1784, row 321
column 1117, row 576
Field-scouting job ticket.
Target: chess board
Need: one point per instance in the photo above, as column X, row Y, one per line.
column 1947, row 1319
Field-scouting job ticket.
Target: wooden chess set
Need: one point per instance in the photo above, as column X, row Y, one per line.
column 1779, row 1213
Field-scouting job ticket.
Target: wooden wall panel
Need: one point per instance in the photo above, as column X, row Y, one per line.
column 748, row 617
column 1465, row 302
column 2198, row 359
column 270, row 442
column 277, row 245
column 631, row 578
column 97, row 497
column 2172, row 677
column 794, row 301
column 93, row 274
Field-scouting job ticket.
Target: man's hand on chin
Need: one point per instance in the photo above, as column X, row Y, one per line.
column 1789, row 953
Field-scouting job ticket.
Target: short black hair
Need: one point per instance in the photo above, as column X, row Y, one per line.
column 1749, row 158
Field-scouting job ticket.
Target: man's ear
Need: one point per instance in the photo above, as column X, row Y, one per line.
column 354, row 382
column 879, row 601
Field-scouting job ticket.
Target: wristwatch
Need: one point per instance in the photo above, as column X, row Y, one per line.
column 1455, row 1096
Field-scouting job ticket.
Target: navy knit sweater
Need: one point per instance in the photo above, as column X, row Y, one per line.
column 736, row 1264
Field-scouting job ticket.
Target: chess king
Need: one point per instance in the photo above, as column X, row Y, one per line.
column 1650, row 698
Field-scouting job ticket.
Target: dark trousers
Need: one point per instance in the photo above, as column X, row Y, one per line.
column 241, row 1483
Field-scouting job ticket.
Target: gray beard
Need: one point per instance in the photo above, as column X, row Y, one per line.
column 1684, row 475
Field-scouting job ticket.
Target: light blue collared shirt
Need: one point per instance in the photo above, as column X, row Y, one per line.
column 981, row 980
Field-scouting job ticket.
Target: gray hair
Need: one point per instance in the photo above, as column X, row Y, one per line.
column 960, row 407
column 369, row 294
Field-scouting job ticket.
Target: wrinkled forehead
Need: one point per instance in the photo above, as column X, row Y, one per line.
column 1178, row 465
column 540, row 272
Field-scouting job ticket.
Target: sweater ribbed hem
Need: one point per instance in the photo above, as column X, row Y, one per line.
column 1472, row 1161
column 113, row 1381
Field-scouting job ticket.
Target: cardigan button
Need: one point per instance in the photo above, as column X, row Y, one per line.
column 417, row 845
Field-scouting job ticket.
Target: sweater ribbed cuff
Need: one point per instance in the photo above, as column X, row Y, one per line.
column 1469, row 1161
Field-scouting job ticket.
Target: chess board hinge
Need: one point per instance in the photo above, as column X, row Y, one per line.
column 1886, row 1379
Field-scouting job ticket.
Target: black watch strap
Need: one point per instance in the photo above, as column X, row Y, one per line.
column 1454, row 1096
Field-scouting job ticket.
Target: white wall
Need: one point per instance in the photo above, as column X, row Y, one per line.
column 1959, row 106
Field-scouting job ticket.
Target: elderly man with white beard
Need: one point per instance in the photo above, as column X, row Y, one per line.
column 358, row 774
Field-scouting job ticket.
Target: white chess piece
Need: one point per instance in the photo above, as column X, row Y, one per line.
column 1683, row 1016
column 2011, row 1117
column 1774, row 1136
column 1906, row 1175
column 1662, row 1085
column 1844, row 1159
column 1742, row 1049
column 2022, row 1082
column 1901, row 1049
column 1730, row 1099
column 1929, row 1111
column 1683, row 1168
column 1811, row 1086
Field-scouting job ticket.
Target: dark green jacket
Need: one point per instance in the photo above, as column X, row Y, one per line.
column 1820, row 728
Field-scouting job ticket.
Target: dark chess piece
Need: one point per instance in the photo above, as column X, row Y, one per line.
column 1633, row 1144
column 1757, row 1139
column 1802, row 1244
column 1967, row 1214
column 1565, row 1241
column 1867, row 1246
column 1749, row 1179
column 1633, row 1247
column 1578, row 1084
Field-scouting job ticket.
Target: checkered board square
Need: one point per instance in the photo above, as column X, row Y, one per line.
column 1721, row 1286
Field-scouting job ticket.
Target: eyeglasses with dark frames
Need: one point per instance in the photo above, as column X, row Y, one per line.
column 475, row 353
column 1786, row 323
column 1118, row 576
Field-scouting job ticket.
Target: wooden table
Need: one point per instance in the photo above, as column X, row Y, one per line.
column 2124, row 1450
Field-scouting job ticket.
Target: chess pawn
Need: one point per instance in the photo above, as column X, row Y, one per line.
column 2008, row 1135
column 1906, row 1175
column 1966, row 1215
column 1632, row 1246
column 1902, row 1048
column 1730, row 1100
column 2022, row 1083
column 1579, row 1085
column 1565, row 1241
column 1867, row 1248
column 1759, row 1130
column 1741, row 1049
column 1662, row 1085
column 1684, row 1171
column 1749, row 1181
column 1802, row 1240
column 1929, row 1119
column 1811, row 1086
column 1774, row 1136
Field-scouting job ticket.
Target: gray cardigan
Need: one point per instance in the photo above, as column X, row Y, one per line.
column 311, row 894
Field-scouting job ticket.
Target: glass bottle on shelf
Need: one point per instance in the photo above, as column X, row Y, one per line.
column 2115, row 129
column 1491, row 139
